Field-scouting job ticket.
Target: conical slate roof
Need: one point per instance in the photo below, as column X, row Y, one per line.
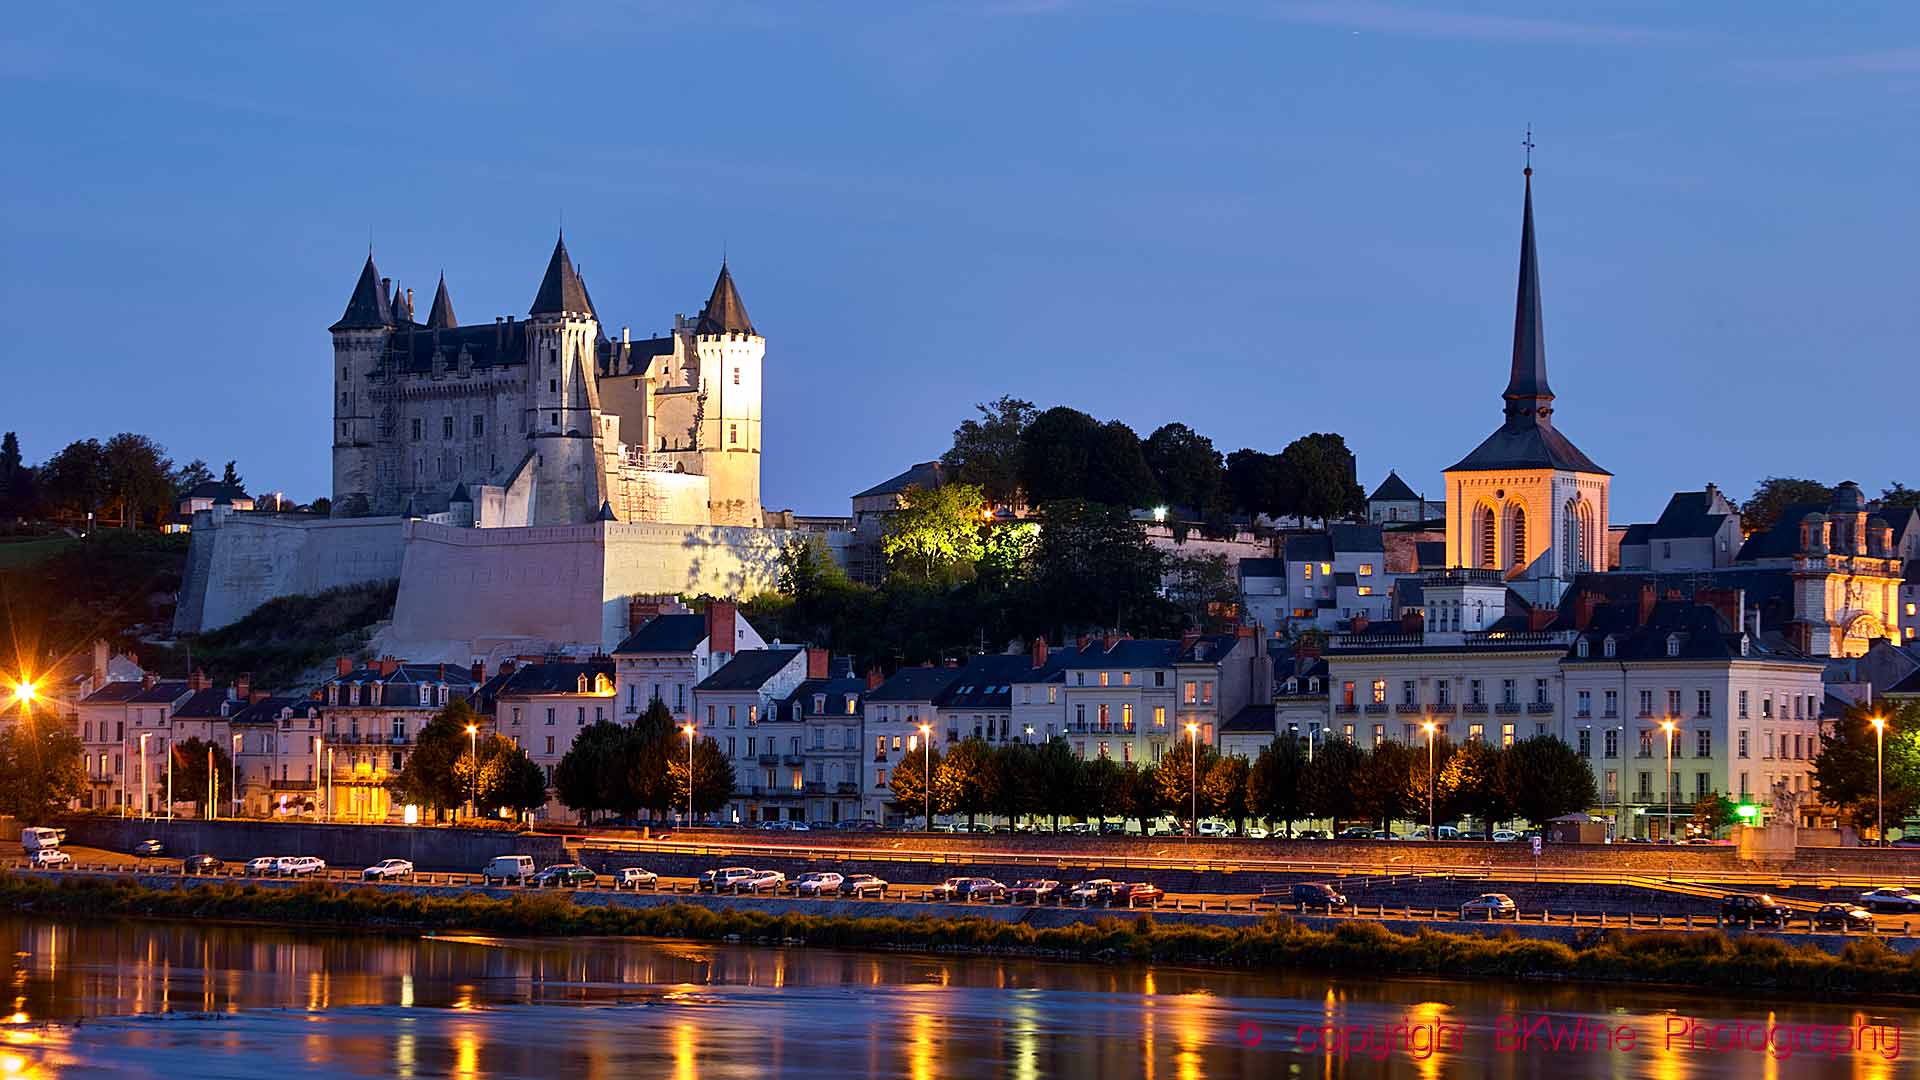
column 725, row 312
column 1393, row 489
column 367, row 308
column 561, row 290
column 440, row 316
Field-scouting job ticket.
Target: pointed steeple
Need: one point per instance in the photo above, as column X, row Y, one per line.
column 561, row 291
column 725, row 312
column 606, row 512
column 367, row 308
column 1528, row 394
column 440, row 316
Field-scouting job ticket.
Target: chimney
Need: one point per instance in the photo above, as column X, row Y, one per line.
column 1308, row 649
column 509, row 666
column 1188, row 636
column 388, row 665
column 1647, row 596
column 498, row 326
column 197, row 681
column 386, row 286
column 817, row 663
column 243, row 686
column 1540, row 618
column 102, row 656
column 342, row 665
column 1729, row 604
column 640, row 611
column 1411, row 623
column 1081, row 643
column 409, row 302
column 875, row 677
column 478, row 672
column 147, row 679
column 1038, row 651
column 1243, row 631
column 1360, row 623
column 314, row 694
column 1583, row 605
column 259, row 696
column 722, row 633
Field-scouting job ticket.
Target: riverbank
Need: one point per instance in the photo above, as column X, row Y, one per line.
column 1701, row 959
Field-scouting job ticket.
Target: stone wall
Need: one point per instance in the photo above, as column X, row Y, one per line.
column 238, row 561
column 344, row 846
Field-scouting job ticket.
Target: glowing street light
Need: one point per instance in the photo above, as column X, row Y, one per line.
column 1431, row 788
column 926, row 747
column 473, row 751
column 1667, row 725
column 24, row 692
column 1879, row 779
column 143, row 773
column 688, row 729
column 1193, row 775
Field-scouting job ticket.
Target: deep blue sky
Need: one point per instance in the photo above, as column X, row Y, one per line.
column 1260, row 219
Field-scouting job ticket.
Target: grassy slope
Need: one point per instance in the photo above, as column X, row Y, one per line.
column 290, row 634
column 22, row 553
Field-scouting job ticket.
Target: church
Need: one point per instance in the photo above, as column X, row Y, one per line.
column 546, row 420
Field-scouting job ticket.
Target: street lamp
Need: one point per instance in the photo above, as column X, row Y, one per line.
column 1667, row 725
column 1193, row 775
column 329, row 783
column 1879, row 780
column 24, row 691
column 238, row 741
column 689, row 730
column 1431, row 788
column 473, row 751
column 926, row 749
column 143, row 774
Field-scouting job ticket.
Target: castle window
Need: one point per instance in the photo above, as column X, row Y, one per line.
column 1518, row 529
column 446, row 427
column 1483, row 533
column 736, row 376
column 416, row 428
column 733, row 434
column 553, row 386
column 555, row 419
column 479, row 426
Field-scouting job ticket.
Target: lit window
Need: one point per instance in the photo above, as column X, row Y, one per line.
column 733, row 434
column 1365, row 590
column 1326, row 568
column 1366, row 570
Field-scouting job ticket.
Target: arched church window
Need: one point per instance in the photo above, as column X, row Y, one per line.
column 1518, row 532
column 1483, row 534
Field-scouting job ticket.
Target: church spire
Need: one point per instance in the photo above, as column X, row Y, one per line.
column 440, row 316
column 561, row 291
column 367, row 308
column 1528, row 396
column 725, row 312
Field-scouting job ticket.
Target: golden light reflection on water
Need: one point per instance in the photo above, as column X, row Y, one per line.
column 466, row 1052
column 686, row 1049
column 1190, row 1033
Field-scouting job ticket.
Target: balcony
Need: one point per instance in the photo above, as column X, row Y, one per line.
column 847, row 787
column 1540, row 708
column 1346, row 709
column 1507, row 708
column 769, row 759
column 1474, row 708
column 792, row 759
column 1407, row 708
column 1375, row 708
column 816, row 787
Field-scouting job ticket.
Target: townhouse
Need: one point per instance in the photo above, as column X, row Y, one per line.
column 373, row 714
column 672, row 650
column 736, row 708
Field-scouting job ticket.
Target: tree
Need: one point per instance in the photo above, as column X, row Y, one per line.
column 1224, row 788
column 1318, row 473
column 1897, row 497
column 139, row 477
column 1173, row 779
column 322, row 506
column 713, row 778
column 41, row 770
column 1771, row 498
column 1714, row 812
column 432, row 774
column 190, row 476
column 592, row 776
column 16, row 479
column 1423, row 786
column 960, row 781
column 1845, row 770
column 1206, row 590
column 1255, row 483
column 1093, row 566
column 935, row 536
column 1273, row 782
column 74, row 482
column 1138, row 792
column 1470, row 782
column 1382, row 790
column 909, row 783
column 1099, row 793
column 1117, row 472
column 1330, row 780
column 1543, row 778
column 1189, row 471
column 523, row 783
column 1056, row 449
column 987, row 452
column 190, row 771
column 230, row 477
column 1054, row 771
column 1010, row 788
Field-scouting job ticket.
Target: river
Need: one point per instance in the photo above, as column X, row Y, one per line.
column 141, row 999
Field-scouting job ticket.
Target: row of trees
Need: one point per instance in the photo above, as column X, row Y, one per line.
column 625, row 769
column 127, row 480
column 1536, row 780
column 448, row 767
column 1856, row 770
column 1016, row 453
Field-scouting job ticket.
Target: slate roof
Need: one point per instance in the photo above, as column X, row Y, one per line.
column 1909, row 686
column 926, row 476
column 267, row 710
column 640, row 354
column 837, row 692
column 113, row 693
column 1312, row 547
column 551, row 678
column 1527, row 381
column 1252, row 719
column 440, row 316
column 914, row 684
column 725, row 312
column 1686, row 516
column 367, row 308
column 666, row 634
column 1527, row 443
column 163, row 692
column 1356, row 538
column 1698, row 629
column 749, row 670
column 1393, row 489
column 1637, row 534
column 485, row 345
column 1430, row 554
column 203, row 704
column 561, row 290
column 985, row 682
column 1410, row 592
column 1273, row 568
column 214, row 489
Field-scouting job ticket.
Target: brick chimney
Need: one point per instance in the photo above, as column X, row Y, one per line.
column 1188, row 636
column 1307, row 649
column 147, row 679
column 478, row 672
column 818, row 661
column 722, row 634
column 1584, row 604
column 640, row 611
column 314, row 694
column 1360, row 622
column 259, row 696
column 509, row 666
column 1647, row 598
column 1540, row 618
column 1411, row 622
column 102, row 657
column 197, row 681
column 243, row 686
column 389, row 665
column 1038, row 651
column 1080, row 643
column 343, row 665
column 875, row 677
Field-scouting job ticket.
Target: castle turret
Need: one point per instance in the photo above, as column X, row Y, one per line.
column 440, row 315
column 358, row 339
column 561, row 331
column 730, row 353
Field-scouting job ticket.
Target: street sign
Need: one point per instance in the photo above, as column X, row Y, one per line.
column 1536, row 847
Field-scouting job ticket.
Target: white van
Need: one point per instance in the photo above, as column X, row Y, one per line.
column 517, row 869
column 38, row 837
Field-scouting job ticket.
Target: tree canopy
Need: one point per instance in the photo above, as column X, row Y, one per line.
column 987, row 452
column 1771, row 498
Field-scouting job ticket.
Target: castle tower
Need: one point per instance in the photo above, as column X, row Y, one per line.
column 562, row 399
column 730, row 353
column 1526, row 502
column 358, row 338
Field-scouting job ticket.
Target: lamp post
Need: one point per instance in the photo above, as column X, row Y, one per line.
column 926, row 784
column 473, row 751
column 1193, row 776
column 1667, row 725
column 1879, row 780
column 169, row 777
column 238, row 741
column 143, row 774
column 319, row 781
column 689, row 731
column 1432, row 788
column 329, row 783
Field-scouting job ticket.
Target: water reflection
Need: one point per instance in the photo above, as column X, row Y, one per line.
column 143, row 999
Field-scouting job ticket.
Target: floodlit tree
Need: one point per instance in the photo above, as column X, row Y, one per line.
column 1274, row 782
column 935, row 535
column 1382, row 785
column 1470, row 782
column 1100, row 793
column 1543, row 778
column 431, row 775
column 1713, row 812
column 960, row 781
column 522, row 783
column 988, row 451
column 908, row 783
column 1224, row 789
column 1846, row 772
column 713, row 778
column 1330, row 782
column 41, row 770
column 190, row 779
column 1173, row 779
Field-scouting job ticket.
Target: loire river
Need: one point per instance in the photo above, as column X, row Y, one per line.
column 181, row 1000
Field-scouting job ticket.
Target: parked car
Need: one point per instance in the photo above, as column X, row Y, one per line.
column 722, row 879
column 963, row 888
column 1135, row 894
column 1842, row 917
column 201, row 864
column 1215, row 829
column 298, row 866
column 1318, row 895
column 1356, row 832
column 1090, row 891
column 47, row 858
column 986, row 890
column 387, row 870
column 261, row 866
column 1505, row 836
column 762, row 881
column 859, row 885
column 1893, row 899
column 1255, row 832
column 35, row 837
column 1753, row 909
column 1034, row 891
column 632, row 877
column 1310, row 834
column 1382, row 834
column 565, row 875
column 816, row 883
column 149, row 848
column 517, row 869
column 1113, row 828
column 1490, row 906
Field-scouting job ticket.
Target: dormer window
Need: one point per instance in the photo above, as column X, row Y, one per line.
column 580, row 684
column 1746, row 645
column 1293, row 686
column 1313, row 686
column 819, row 703
column 1673, row 645
column 1610, row 648
column 1582, row 649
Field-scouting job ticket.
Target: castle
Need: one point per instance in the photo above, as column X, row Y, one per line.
column 547, row 420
